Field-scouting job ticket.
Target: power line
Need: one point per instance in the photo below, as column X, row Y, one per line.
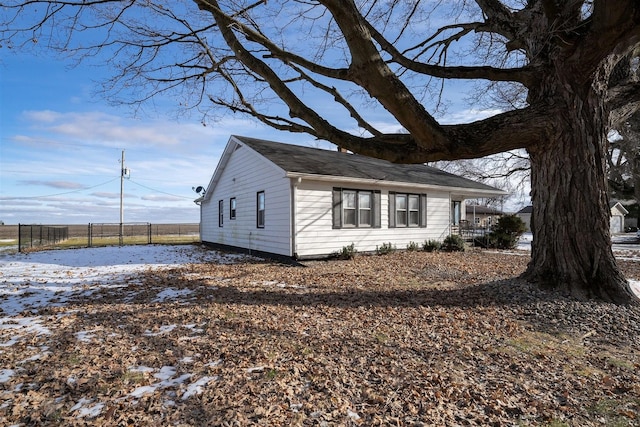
column 159, row 191
column 66, row 192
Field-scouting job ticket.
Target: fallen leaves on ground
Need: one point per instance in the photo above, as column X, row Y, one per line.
column 404, row 339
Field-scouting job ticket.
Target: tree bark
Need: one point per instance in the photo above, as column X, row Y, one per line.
column 571, row 248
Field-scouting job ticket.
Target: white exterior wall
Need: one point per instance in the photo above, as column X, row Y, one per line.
column 616, row 222
column 526, row 218
column 314, row 235
column 245, row 174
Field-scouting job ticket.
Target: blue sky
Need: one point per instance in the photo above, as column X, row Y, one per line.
column 60, row 148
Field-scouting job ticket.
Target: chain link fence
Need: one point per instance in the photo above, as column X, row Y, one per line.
column 32, row 236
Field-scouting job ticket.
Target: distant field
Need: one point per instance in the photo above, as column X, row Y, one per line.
column 108, row 234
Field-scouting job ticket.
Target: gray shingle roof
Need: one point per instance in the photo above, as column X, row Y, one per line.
column 526, row 209
column 307, row 160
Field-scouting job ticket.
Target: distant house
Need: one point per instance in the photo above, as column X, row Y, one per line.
column 525, row 215
column 616, row 224
column 618, row 212
column 482, row 216
column 293, row 201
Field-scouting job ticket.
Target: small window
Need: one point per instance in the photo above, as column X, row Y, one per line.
column 414, row 210
column 356, row 208
column 401, row 210
column 232, row 208
column 364, row 209
column 349, row 209
column 260, row 210
column 407, row 210
column 220, row 213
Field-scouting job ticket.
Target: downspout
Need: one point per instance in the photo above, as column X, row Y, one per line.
column 294, row 226
column 450, row 214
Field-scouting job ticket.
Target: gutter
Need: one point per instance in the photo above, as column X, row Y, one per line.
column 464, row 190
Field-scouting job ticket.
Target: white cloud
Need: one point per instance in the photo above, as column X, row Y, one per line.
column 162, row 198
column 106, row 195
column 55, row 184
column 106, row 130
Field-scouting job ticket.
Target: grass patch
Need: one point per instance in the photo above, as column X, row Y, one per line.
column 133, row 377
column 271, row 374
column 83, row 242
column 620, row 363
column 540, row 343
column 614, row 411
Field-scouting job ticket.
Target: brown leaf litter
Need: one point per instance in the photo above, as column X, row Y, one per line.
column 407, row 339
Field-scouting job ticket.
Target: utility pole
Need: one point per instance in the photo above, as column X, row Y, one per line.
column 123, row 172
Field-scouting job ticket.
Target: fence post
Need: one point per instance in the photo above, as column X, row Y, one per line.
column 149, row 231
column 19, row 237
column 89, row 235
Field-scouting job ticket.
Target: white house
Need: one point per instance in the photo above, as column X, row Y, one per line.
column 618, row 212
column 525, row 215
column 616, row 220
column 293, row 201
column 482, row 216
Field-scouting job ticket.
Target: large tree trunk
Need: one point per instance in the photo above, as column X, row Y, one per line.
column 571, row 238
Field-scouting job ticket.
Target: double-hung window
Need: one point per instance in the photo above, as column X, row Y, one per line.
column 356, row 208
column 349, row 208
column 260, row 209
column 232, row 208
column 364, row 208
column 413, row 210
column 220, row 213
column 407, row 210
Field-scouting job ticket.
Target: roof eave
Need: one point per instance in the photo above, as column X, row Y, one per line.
column 470, row 192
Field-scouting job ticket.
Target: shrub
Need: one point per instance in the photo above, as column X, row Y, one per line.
column 412, row 246
column 506, row 232
column 347, row 252
column 385, row 248
column 453, row 243
column 431, row 246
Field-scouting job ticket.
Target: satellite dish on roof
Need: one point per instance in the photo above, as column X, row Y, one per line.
column 199, row 189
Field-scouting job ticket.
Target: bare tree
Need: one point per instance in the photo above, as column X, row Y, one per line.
column 508, row 171
column 322, row 60
column 624, row 160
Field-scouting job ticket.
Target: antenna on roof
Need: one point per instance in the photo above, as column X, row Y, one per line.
column 199, row 189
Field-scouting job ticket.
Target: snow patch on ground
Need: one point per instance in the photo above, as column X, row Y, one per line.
column 84, row 410
column 172, row 294
column 38, row 280
column 34, row 281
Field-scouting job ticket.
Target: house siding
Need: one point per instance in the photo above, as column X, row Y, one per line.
column 616, row 223
column 315, row 235
column 245, row 174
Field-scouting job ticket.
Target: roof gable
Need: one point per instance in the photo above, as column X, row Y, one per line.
column 618, row 206
column 315, row 161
